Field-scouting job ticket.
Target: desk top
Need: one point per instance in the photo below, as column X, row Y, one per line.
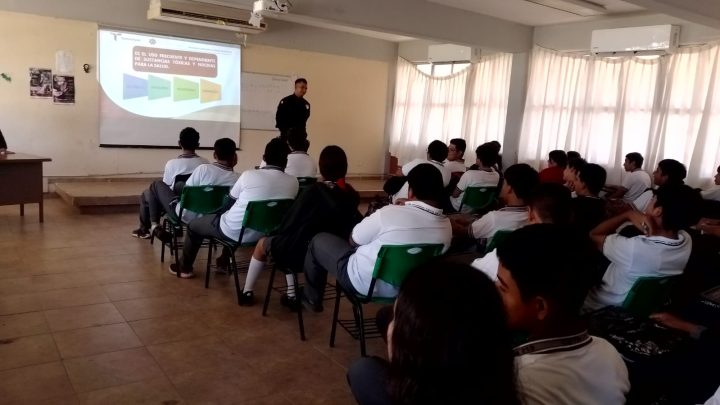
column 21, row 158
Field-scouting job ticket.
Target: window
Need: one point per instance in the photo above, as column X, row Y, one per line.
column 442, row 69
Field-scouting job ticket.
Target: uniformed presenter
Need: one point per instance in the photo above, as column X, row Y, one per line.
column 293, row 110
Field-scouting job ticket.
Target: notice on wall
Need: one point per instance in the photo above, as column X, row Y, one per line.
column 40, row 83
column 63, row 89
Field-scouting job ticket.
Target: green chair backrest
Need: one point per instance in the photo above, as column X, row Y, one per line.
column 496, row 240
column 478, row 198
column 649, row 294
column 203, row 199
column 394, row 262
column 265, row 216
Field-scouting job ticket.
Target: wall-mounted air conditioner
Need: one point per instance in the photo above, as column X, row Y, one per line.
column 452, row 53
column 203, row 15
column 655, row 39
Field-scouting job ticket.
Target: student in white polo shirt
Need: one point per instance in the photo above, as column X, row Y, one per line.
column 455, row 161
column 550, row 204
column 669, row 171
column 268, row 183
column 219, row 173
column 518, row 184
column 161, row 193
column 662, row 250
column 300, row 164
column 484, row 176
column 713, row 193
column 436, row 153
column 543, row 279
column 419, row 220
column 634, row 183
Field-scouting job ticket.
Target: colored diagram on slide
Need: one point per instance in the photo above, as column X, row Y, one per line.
column 179, row 89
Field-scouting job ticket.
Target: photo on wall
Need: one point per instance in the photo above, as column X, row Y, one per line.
column 63, row 89
column 40, row 83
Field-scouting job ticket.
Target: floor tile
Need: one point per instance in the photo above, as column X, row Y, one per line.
column 48, row 282
column 190, row 355
column 155, row 391
column 95, row 340
column 135, row 289
column 221, row 385
column 72, row 297
column 34, row 384
column 145, row 308
column 27, row 324
column 111, row 369
column 82, row 317
column 170, row 329
column 28, row 350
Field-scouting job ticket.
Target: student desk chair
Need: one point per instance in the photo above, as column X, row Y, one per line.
column 393, row 264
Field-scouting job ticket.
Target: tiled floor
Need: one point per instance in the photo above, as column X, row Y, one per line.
column 90, row 315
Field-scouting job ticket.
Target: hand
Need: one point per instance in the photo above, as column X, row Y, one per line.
column 641, row 222
column 672, row 321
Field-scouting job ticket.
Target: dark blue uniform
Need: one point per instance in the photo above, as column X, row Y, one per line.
column 292, row 112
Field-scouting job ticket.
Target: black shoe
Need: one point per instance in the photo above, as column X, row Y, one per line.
column 141, row 233
column 162, row 235
column 247, row 299
column 183, row 274
column 222, row 264
column 311, row 306
column 290, row 302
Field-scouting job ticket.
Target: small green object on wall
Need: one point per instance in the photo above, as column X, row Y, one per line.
column 6, row 77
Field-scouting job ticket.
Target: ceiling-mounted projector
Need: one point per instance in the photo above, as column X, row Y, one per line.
column 263, row 7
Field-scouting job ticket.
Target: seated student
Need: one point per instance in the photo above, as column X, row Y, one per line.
column 330, row 206
column 484, row 176
column 634, row 183
column 549, row 204
column 300, row 164
column 557, row 162
column 419, row 220
column 455, row 162
column 498, row 162
column 436, row 154
column 219, row 173
column 542, row 279
column 444, row 350
column 713, row 193
column 662, row 250
column 571, row 171
column 588, row 208
column 573, row 155
column 519, row 182
column 268, row 183
column 160, row 193
column 669, row 171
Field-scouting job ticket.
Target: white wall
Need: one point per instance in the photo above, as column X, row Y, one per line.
column 348, row 90
column 576, row 36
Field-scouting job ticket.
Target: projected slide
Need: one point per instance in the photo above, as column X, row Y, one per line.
column 153, row 86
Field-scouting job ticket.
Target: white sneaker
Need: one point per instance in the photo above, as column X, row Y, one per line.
column 182, row 273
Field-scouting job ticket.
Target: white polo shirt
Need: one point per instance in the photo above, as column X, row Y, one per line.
column 300, row 164
column 415, row 222
column 632, row 258
column 711, row 193
column 455, row 166
column 474, row 178
column 183, row 164
column 504, row 219
column 643, row 201
column 636, row 183
column 213, row 174
column 488, row 264
column 715, row 400
column 592, row 374
column 403, row 193
column 268, row 183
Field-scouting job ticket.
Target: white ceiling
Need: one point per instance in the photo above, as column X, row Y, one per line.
column 524, row 12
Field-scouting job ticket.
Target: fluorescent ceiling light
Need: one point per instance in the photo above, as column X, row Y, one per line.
column 578, row 7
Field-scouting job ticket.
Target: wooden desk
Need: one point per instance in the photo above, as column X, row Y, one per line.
column 21, row 180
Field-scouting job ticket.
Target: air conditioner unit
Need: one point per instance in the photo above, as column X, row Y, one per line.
column 203, row 15
column 655, row 39
column 452, row 53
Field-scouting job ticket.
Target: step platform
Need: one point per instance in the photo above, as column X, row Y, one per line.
column 109, row 197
